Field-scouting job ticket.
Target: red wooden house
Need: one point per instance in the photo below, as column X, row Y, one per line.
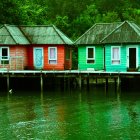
column 34, row 47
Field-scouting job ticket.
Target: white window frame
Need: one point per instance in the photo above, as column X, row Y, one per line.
column 53, row 59
column 112, row 47
column 137, row 60
column 93, row 55
column 8, row 55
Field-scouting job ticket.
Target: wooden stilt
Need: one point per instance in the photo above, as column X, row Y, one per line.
column 8, row 83
column 69, row 86
column 41, row 83
column 106, row 85
column 118, row 83
column 87, row 82
column 96, row 81
column 80, row 81
column 115, row 81
column 65, row 85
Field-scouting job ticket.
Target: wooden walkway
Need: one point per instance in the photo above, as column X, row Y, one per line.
column 78, row 74
column 70, row 72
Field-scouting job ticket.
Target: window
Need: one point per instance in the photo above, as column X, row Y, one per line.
column 52, row 55
column 4, row 55
column 90, row 55
column 67, row 53
column 116, row 55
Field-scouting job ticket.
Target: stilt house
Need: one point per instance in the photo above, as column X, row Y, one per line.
column 34, row 47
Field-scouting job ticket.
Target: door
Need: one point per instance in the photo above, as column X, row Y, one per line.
column 132, row 58
column 38, row 58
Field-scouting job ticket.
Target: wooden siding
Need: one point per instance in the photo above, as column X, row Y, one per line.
column 60, row 58
column 18, row 58
column 99, row 58
column 30, row 58
column 123, row 59
column 68, row 62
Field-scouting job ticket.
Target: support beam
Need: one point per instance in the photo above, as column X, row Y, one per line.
column 8, row 83
column 118, row 83
column 87, row 82
column 80, row 81
column 106, row 85
column 96, row 81
column 41, row 83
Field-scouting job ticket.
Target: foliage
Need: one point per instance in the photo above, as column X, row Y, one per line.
column 73, row 17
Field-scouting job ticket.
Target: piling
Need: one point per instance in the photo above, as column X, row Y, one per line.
column 106, row 85
column 118, row 83
column 80, row 81
column 87, row 82
column 8, row 82
column 41, row 83
column 96, row 81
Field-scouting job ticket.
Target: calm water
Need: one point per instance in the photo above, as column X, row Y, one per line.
column 71, row 115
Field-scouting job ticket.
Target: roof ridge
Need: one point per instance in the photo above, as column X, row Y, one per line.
column 85, row 32
column 25, row 35
column 112, row 31
column 57, row 31
column 134, row 27
column 36, row 25
column 6, row 26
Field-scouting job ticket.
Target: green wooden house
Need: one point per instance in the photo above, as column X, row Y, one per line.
column 122, row 48
column 90, row 49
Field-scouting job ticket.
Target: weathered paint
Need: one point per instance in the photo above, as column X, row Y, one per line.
column 60, row 58
column 18, row 58
column 61, row 61
column 99, row 58
column 124, row 58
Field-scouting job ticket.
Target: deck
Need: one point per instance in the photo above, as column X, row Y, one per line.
column 77, row 74
column 67, row 73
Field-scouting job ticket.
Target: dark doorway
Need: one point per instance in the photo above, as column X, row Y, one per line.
column 132, row 58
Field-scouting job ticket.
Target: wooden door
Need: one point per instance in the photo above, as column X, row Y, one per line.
column 38, row 58
column 132, row 58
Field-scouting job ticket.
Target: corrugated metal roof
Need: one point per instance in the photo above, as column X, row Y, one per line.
column 127, row 32
column 96, row 33
column 45, row 35
column 12, row 34
column 121, row 32
column 5, row 37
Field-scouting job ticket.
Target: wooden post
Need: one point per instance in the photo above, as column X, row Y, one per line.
column 96, row 81
column 65, row 83
column 80, row 81
column 118, row 83
column 69, row 81
column 87, row 82
column 106, row 85
column 41, row 83
column 115, row 80
column 8, row 82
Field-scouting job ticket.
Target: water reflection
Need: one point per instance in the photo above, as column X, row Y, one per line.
column 93, row 114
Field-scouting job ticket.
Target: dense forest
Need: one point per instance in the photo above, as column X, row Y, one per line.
column 73, row 17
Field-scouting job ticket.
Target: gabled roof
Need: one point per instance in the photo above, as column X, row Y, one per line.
column 45, row 35
column 126, row 32
column 11, row 34
column 96, row 33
